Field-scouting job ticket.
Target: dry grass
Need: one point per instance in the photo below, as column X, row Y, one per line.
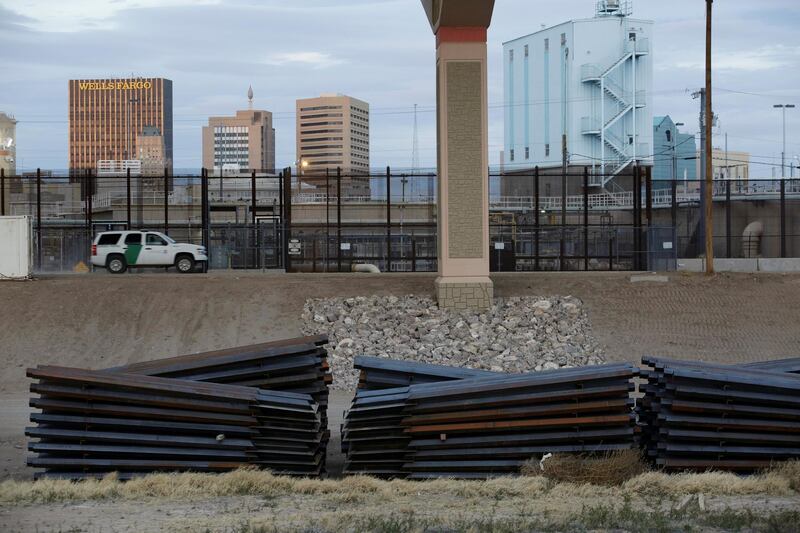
column 608, row 469
column 783, row 480
column 254, row 483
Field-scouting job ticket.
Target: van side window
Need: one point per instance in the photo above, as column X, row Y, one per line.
column 108, row 239
column 133, row 238
column 155, row 240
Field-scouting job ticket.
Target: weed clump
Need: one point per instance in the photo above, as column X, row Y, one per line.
column 608, row 469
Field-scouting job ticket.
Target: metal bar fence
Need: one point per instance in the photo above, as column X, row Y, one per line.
column 247, row 221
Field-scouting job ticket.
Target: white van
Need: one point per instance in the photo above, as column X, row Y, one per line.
column 117, row 250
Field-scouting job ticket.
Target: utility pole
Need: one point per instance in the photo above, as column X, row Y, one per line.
column 784, row 107
column 709, row 200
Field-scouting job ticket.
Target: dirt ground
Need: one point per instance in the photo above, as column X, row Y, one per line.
column 257, row 502
column 400, row 514
column 98, row 321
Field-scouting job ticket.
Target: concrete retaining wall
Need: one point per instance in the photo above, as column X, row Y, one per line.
column 742, row 265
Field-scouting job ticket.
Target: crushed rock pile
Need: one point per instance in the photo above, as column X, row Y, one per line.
column 516, row 335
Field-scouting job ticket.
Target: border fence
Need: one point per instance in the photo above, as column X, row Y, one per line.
column 540, row 219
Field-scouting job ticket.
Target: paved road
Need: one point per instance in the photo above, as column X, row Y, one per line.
column 102, row 321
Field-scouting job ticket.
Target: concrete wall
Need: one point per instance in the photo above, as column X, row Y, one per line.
column 742, row 265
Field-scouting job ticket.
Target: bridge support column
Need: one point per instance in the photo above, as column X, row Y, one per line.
column 460, row 27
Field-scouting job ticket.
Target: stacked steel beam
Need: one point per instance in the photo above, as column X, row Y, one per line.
column 791, row 366
column 489, row 424
column 295, row 365
column 699, row 416
column 373, row 437
column 92, row 423
column 381, row 373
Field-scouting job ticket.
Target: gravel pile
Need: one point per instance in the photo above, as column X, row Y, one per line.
column 516, row 335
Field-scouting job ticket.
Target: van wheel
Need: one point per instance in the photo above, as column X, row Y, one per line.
column 184, row 264
column 116, row 264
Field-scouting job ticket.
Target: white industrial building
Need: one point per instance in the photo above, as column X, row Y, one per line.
column 589, row 80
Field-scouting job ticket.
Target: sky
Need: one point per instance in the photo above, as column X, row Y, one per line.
column 381, row 51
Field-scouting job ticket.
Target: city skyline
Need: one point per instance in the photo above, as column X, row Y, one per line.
column 393, row 71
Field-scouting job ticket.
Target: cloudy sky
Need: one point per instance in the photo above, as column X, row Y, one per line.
column 378, row 50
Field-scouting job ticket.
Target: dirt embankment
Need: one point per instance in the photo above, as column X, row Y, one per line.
column 99, row 320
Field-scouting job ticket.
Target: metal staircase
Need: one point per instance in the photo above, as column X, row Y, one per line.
column 616, row 104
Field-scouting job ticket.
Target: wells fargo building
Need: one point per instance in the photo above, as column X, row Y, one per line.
column 106, row 116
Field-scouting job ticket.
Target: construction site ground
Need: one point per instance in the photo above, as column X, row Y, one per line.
column 98, row 320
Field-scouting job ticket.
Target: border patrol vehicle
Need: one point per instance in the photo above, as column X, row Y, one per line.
column 117, row 250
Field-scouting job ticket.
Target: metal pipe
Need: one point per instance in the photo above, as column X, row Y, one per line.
column 562, row 249
column 128, row 196
column 708, row 208
column 783, row 218
column 537, row 224
column 90, row 205
column 204, row 216
column 338, row 219
column 38, row 218
column 586, row 218
column 674, row 205
column 728, row 215
column 287, row 228
column 253, row 218
column 327, row 215
column 166, row 201
column 388, row 219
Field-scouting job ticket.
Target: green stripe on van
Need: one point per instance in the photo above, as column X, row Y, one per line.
column 132, row 254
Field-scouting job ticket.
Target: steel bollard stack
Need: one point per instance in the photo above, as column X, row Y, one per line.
column 700, row 416
column 94, row 423
column 477, row 424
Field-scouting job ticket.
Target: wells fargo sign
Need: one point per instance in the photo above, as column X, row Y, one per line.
column 114, row 85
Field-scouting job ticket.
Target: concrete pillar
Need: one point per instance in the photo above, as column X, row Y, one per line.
column 460, row 27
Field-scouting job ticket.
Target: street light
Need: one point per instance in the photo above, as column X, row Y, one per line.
column 301, row 164
column 784, row 107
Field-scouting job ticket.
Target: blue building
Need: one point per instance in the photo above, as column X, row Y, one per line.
column 589, row 80
column 675, row 153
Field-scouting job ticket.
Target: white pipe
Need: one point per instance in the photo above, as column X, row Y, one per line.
column 366, row 268
column 751, row 239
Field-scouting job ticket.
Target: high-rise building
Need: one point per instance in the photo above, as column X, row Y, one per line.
column 8, row 144
column 150, row 152
column 587, row 80
column 106, row 116
column 333, row 132
column 673, row 153
column 242, row 142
